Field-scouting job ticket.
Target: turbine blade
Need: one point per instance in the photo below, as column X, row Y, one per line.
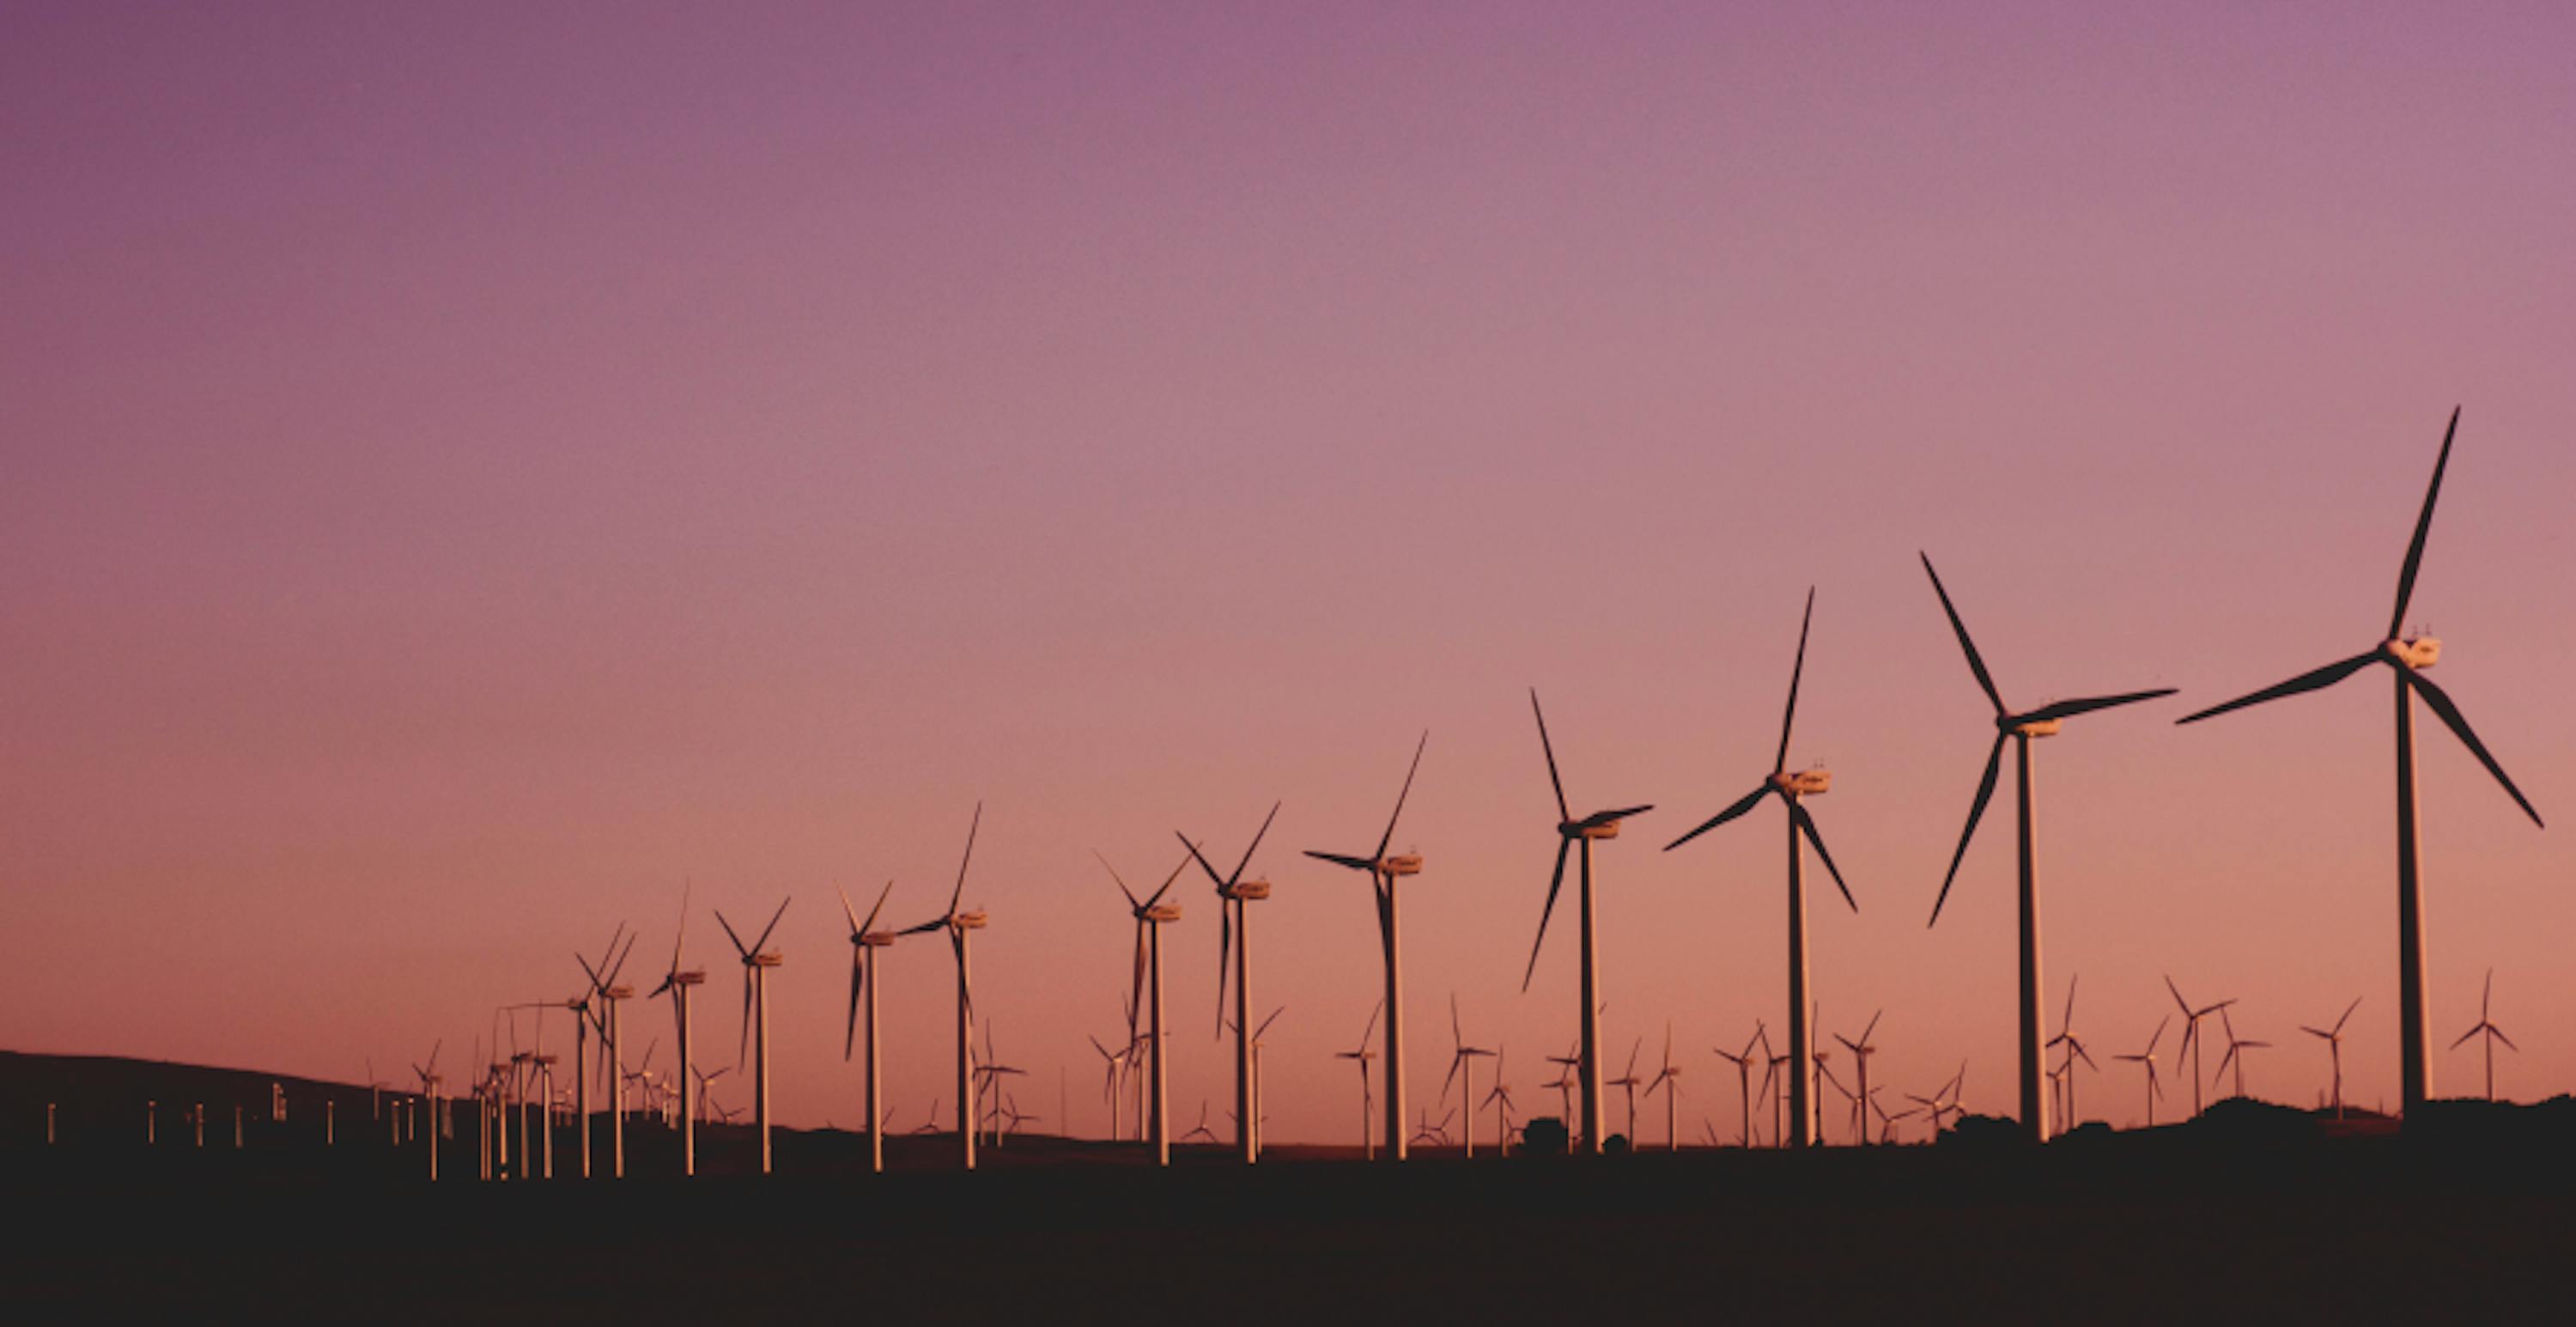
column 972, row 827
column 2440, row 703
column 1120, row 880
column 2347, row 1013
column 1976, row 812
column 2498, row 1034
column 773, row 923
column 1224, row 954
column 2067, row 709
column 1177, row 868
column 846, row 911
column 1621, row 813
column 1807, row 826
column 1789, row 716
column 729, row 935
column 1976, row 663
column 1410, row 771
column 880, row 907
column 1342, row 859
column 858, row 975
column 2423, row 526
column 1741, row 805
column 2314, row 680
column 1554, row 883
column 1255, row 845
column 1562, row 813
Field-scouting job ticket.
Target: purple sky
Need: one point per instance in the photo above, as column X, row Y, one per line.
column 470, row 469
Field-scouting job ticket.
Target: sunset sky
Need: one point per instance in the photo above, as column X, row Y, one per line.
column 471, row 469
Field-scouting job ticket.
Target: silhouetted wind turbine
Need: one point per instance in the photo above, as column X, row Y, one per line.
column 1362, row 1055
column 2486, row 1028
column 1384, row 871
column 958, row 924
column 2333, row 1038
column 604, row 987
column 2191, row 1037
column 1628, row 1083
column 1111, row 1066
column 1861, row 1050
column 1151, row 915
column 2019, row 729
column 1790, row 788
column 2407, row 658
column 1668, row 1080
column 865, row 940
column 1569, row 832
column 2147, row 1057
column 1463, row 1057
column 2235, row 1046
column 429, row 1081
column 1202, row 1130
column 2074, row 1051
column 1501, row 1100
column 586, row 1016
column 1233, row 893
column 1744, row 1077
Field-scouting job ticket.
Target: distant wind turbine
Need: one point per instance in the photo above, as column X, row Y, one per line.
column 1384, row 871
column 1462, row 1058
column 2236, row 1048
column 429, row 1081
column 1361, row 1055
column 2407, row 657
column 2486, row 1028
column 959, row 925
column 1790, row 789
column 2147, row 1057
column 2333, row 1038
column 2074, row 1051
column 756, row 963
column 1151, row 915
column 865, row 941
column 679, row 984
column 1233, row 895
column 1744, row 1078
column 2191, row 1037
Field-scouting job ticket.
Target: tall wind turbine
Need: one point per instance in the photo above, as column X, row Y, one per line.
column 2333, row 1038
column 1233, row 894
column 958, row 925
column 1151, row 916
column 865, row 940
column 1569, row 832
column 1361, row 1055
column 2019, row 729
column 2407, row 657
column 679, row 985
column 2486, row 1028
column 756, row 963
column 1791, row 789
column 2236, row 1046
column 587, row 1015
column 1384, row 871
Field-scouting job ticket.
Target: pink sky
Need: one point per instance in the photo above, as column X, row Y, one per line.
column 470, row 470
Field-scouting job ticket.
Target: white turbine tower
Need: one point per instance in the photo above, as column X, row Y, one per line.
column 756, row 963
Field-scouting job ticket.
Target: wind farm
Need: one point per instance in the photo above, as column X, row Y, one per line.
column 475, row 469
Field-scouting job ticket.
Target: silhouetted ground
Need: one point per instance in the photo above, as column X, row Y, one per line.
column 2254, row 1211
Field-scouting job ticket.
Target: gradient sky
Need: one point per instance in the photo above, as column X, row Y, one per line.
column 471, row 468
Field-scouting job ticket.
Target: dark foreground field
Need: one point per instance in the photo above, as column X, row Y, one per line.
column 2257, row 1212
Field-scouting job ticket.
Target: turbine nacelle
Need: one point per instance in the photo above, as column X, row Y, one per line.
column 873, row 939
column 762, row 960
column 1586, row 829
column 1160, row 912
column 1247, row 890
column 967, row 921
column 1402, row 863
column 2420, row 653
column 1803, row 783
column 688, row 979
column 2018, row 727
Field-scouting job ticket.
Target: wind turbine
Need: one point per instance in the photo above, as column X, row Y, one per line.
column 1233, row 895
column 1566, row 1080
column 865, row 940
column 1790, row 789
column 1384, row 871
column 1151, row 915
column 1260, row 1119
column 1501, row 1100
column 1628, row 1083
column 2232, row 1057
column 992, row 1071
column 2333, row 1038
column 1569, row 832
column 1112, row 1065
column 2191, row 1038
column 586, row 1015
column 958, row 925
column 1744, row 1076
column 2147, row 1057
column 605, row 988
column 2020, row 729
column 1202, row 1131
column 1861, row 1050
column 756, row 963
column 2074, row 1051
column 680, row 985
column 1463, row 1057
column 2407, row 657
column 2486, row 1028
column 429, row 1081
column 1668, row 1080
column 1361, row 1055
